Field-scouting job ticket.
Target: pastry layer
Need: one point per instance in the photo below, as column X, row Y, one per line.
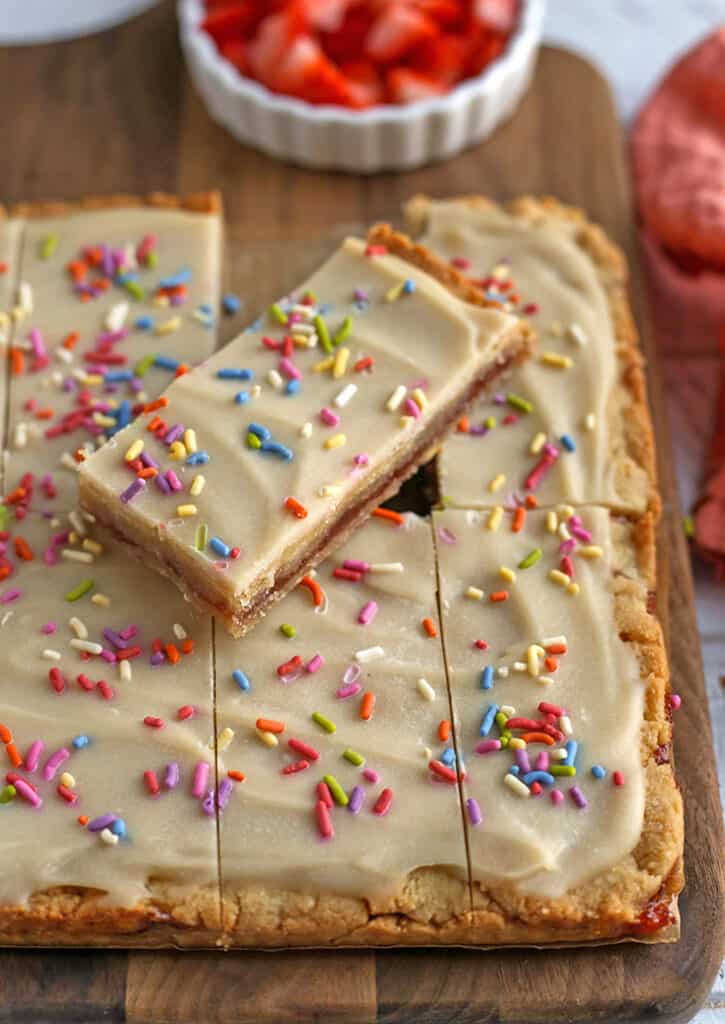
column 583, row 394
column 581, row 829
column 300, row 426
column 118, row 293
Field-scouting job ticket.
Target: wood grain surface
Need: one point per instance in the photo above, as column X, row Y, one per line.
column 115, row 112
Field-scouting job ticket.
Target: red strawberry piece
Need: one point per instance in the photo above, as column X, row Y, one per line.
column 272, row 41
column 499, row 15
column 488, row 47
column 364, row 82
column 450, row 14
column 346, row 42
column 444, row 59
column 396, row 31
column 305, row 72
column 408, row 86
column 235, row 51
column 230, row 22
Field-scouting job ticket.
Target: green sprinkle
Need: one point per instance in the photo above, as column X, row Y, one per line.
column 501, row 719
column 151, row 259
column 504, row 739
column 688, row 525
column 323, row 722
column 353, row 757
column 7, row 794
column 338, row 793
column 4, row 516
column 48, row 246
column 143, row 365
column 253, row 441
column 134, row 289
column 518, row 402
column 278, row 314
column 562, row 769
column 201, row 537
column 80, row 591
column 342, row 331
column 288, row 631
column 531, row 559
column 323, row 333
column 490, row 422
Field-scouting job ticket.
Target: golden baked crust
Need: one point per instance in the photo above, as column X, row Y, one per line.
column 195, row 202
column 631, row 434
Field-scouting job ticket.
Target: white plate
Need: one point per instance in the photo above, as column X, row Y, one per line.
column 47, row 21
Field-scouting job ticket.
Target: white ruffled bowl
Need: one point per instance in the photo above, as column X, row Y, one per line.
column 391, row 138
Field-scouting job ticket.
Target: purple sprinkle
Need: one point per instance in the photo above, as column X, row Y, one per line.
column 478, row 430
column 162, row 484
column 50, row 555
column 522, row 760
column 446, row 536
column 148, row 460
column 474, row 811
column 103, row 821
column 157, row 658
column 578, row 797
column 133, row 489
column 174, row 433
column 208, row 804
column 226, row 788
column 360, row 295
column 10, row 595
column 114, row 638
column 499, row 398
column 136, row 385
column 108, row 656
column 172, row 776
column 357, row 798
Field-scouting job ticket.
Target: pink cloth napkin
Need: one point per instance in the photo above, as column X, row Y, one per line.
column 678, row 162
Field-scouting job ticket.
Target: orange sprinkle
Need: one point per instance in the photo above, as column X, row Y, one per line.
column 72, row 339
column 79, row 456
column 532, row 501
column 499, row 595
column 556, row 649
column 296, row 508
column 4, row 572
column 172, row 653
column 318, row 595
column 154, row 424
column 158, row 403
column 44, row 414
column 103, row 283
column 77, row 269
column 270, row 725
column 187, row 646
column 147, row 473
column 237, row 776
column 444, row 731
column 83, row 819
column 387, row 513
column 463, row 425
column 5, row 735
column 23, row 549
column 15, row 496
column 551, row 664
column 538, row 737
column 430, row 627
column 3, row 267
column 367, row 706
column 17, row 361
column 85, row 297
column 519, row 519
column 181, row 370
column 14, row 755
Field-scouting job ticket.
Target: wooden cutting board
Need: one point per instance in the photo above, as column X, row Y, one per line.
column 114, row 113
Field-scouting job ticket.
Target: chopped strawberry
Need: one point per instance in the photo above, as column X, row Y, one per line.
column 326, row 15
column 272, row 41
column 346, row 42
column 235, row 51
column 408, row 86
column 443, row 59
column 487, row 48
column 499, row 15
column 396, row 31
column 450, row 14
column 365, row 83
column 232, row 21
column 305, row 72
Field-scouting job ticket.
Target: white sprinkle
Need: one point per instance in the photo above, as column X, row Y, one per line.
column 275, row 379
column 565, row 725
column 519, row 666
column 508, row 710
column 20, row 437
column 329, row 490
column 124, row 670
column 108, row 837
column 306, row 429
column 52, row 655
column 425, row 689
column 116, row 316
column 343, row 397
column 179, row 631
column 86, row 645
column 64, row 355
column 558, row 753
column 308, row 312
column 25, row 297
column 393, row 403
column 387, row 567
column 71, row 555
column 516, row 785
column 255, row 391
column 576, row 333
column 502, row 671
column 590, row 421
column 76, row 521
column 563, row 531
column 369, row 654
column 545, row 680
column 551, row 641
column 475, row 593
column 79, row 628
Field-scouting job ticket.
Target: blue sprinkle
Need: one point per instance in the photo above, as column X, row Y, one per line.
column 166, row 363
column 538, row 776
column 118, row 827
column 292, row 387
column 123, row 414
column 324, row 309
column 488, row 719
column 408, row 287
column 448, row 757
column 81, row 741
column 275, row 448
column 143, row 323
column 232, row 373
column 182, row 276
column 568, row 442
column 126, row 276
column 514, row 770
column 199, row 458
column 116, row 376
column 261, row 432
column 219, row 547
column 487, row 678
column 571, row 748
column 231, row 304
column 241, row 397
column 241, row 680
column 598, row 771
column 206, row 307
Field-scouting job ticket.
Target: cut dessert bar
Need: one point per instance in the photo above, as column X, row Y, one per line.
column 343, row 681
column 253, row 467
column 559, row 684
column 10, row 235
column 571, row 424
column 118, row 295
column 107, row 713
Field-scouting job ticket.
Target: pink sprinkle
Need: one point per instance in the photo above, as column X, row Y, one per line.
column 355, row 566
column 541, row 764
column 27, row 792
column 362, row 459
column 566, row 547
column 108, row 656
column 54, row 762
column 199, row 781
column 50, row 555
column 288, row 368
column 349, row 690
column 37, row 344
column 328, row 417
column 675, row 701
column 487, row 746
column 316, row 662
column 557, row 797
column 371, row 775
column 173, row 480
column 48, row 628
column 10, row 595
column 580, row 533
column 411, row 408
column 446, row 536
column 461, row 263
column 33, row 755
column 367, row 613
column 128, row 633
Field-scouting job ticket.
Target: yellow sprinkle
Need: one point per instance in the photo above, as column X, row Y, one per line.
column 516, row 743
column 134, row 450
column 565, row 511
column 507, row 574
column 420, row 398
column 573, row 589
column 533, row 654
column 475, row 593
column 590, row 551
column 545, row 680
column 406, row 421
column 552, row 521
column 67, row 779
column 105, row 421
column 393, row 403
column 225, row 738
column 186, row 510
column 336, row 441
column 268, row 738
column 497, row 483
column 340, row 365
column 190, row 440
column 177, row 451
column 395, row 292
column 324, row 365
column 161, row 300
column 563, row 531
column 557, row 576
column 197, row 485
column 329, row 490
column 102, row 600
column 91, row 378
column 537, row 443
column 495, row 517
column 558, row 361
column 304, row 341
column 92, row 545
column 168, row 326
